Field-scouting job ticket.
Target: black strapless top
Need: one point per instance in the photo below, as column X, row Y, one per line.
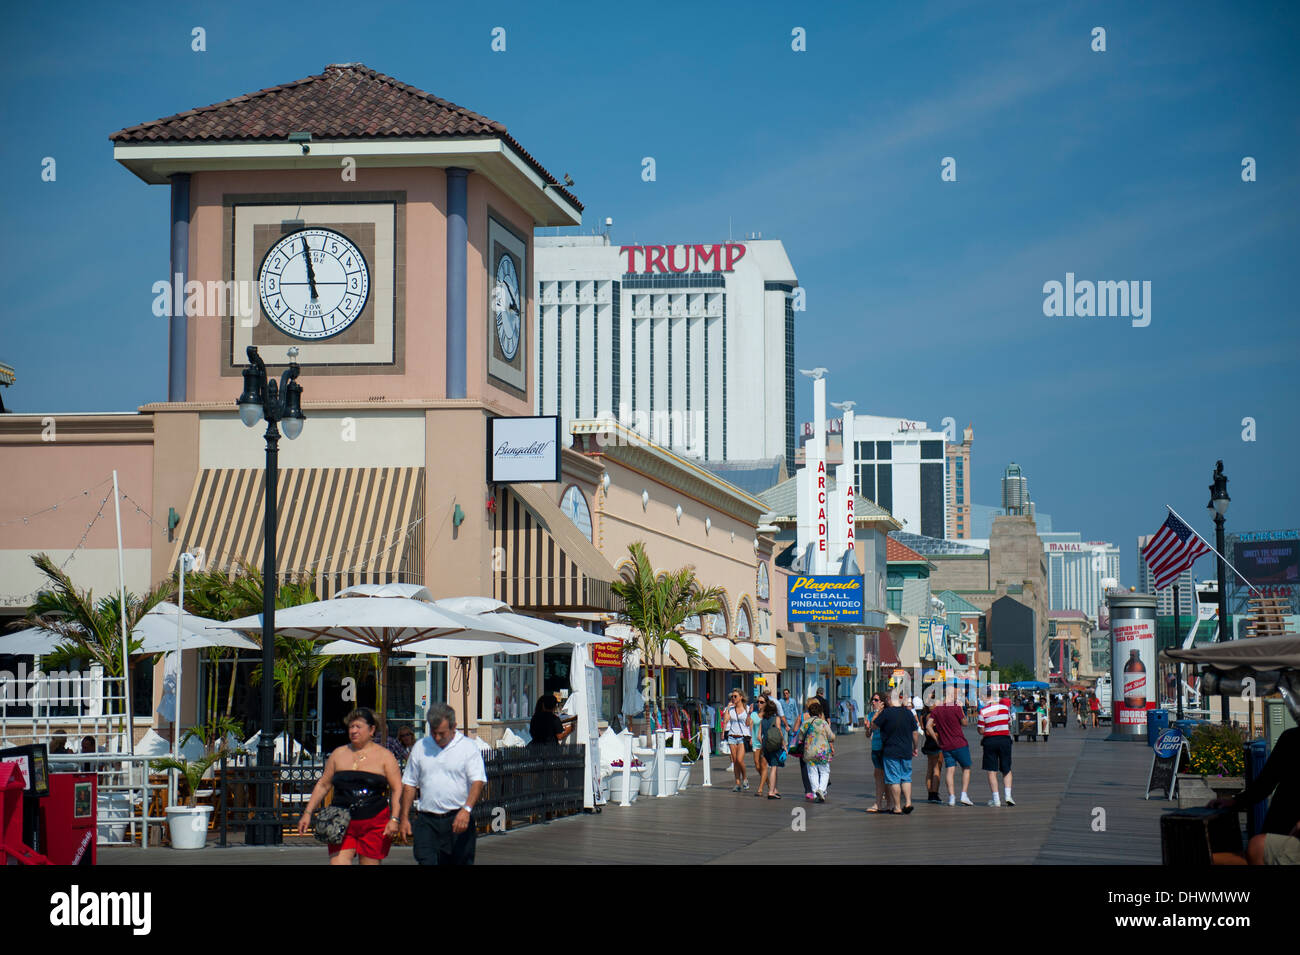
column 365, row 795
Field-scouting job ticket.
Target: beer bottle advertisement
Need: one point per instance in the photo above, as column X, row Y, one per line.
column 1132, row 663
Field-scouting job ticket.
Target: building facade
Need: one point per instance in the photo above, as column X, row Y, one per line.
column 691, row 345
column 1076, row 569
column 1015, row 491
column 957, row 482
column 901, row 467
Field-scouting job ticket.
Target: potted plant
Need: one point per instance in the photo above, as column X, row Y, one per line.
column 616, row 780
column 188, row 824
column 1217, row 765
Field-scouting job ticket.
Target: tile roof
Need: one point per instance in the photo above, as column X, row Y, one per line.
column 954, row 602
column 896, row 552
column 346, row 101
column 781, row 501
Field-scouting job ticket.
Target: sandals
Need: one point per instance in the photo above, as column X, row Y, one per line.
column 777, row 796
column 875, row 811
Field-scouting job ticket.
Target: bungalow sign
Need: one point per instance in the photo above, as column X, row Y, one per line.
column 522, row 450
column 825, row 599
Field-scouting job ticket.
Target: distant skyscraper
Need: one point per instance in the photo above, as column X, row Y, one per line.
column 1165, row 598
column 1015, row 491
column 1075, row 570
column 957, row 485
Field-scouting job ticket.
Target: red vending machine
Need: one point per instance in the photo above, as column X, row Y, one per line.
column 68, row 819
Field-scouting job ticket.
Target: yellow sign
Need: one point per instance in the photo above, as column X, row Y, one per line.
column 844, row 671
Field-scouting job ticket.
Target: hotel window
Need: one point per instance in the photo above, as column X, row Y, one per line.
column 884, row 451
column 894, row 593
column 512, row 687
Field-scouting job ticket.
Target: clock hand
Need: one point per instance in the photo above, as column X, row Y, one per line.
column 311, row 273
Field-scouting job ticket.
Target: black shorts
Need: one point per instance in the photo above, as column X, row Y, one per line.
column 997, row 754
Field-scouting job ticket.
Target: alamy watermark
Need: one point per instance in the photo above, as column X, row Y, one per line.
column 1086, row 299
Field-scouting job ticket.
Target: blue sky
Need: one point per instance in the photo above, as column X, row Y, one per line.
column 924, row 297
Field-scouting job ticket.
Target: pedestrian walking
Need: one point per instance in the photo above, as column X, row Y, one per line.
column 772, row 733
column 797, row 749
column 446, row 767
column 755, row 734
column 948, row 719
column 400, row 745
column 368, row 785
column 933, row 754
column 819, row 749
column 789, row 710
column 877, row 704
column 995, row 735
column 736, row 721
column 902, row 737
column 1094, row 706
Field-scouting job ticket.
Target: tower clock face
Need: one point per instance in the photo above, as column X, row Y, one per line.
column 313, row 283
column 505, row 306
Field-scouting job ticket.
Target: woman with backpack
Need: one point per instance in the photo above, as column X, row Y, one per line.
column 772, row 737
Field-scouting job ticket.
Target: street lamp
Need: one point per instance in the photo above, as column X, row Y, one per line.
column 1218, row 506
column 263, row 400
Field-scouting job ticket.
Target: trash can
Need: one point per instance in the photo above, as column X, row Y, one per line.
column 1186, row 726
column 1157, row 723
column 1256, row 756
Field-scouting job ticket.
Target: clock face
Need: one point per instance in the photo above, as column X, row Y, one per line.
column 506, row 306
column 313, row 283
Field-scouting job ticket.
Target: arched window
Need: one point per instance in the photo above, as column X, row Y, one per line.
column 575, row 506
column 743, row 629
column 763, row 587
column 718, row 623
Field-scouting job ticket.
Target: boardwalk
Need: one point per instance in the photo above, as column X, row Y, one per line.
column 1059, row 788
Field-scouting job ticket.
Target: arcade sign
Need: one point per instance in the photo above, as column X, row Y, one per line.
column 826, row 599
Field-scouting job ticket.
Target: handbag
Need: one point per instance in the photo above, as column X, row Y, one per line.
column 330, row 824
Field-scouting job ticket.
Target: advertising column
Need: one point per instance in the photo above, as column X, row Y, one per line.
column 1132, row 662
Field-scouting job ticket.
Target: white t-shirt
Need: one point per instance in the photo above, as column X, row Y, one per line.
column 737, row 721
column 443, row 776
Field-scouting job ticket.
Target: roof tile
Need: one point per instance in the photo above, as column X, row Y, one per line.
column 346, row 101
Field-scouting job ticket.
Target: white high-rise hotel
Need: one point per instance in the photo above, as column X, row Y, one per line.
column 692, row 345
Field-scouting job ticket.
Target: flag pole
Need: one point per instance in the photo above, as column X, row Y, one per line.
column 1216, row 553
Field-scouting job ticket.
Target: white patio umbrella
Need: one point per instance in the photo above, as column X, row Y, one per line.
column 157, row 629
column 498, row 615
column 34, row 640
column 384, row 625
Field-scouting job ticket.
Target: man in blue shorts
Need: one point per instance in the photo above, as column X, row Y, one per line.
column 900, row 738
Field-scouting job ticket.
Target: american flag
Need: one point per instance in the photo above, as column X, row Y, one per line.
column 1174, row 548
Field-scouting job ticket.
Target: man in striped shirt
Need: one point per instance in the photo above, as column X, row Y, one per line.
column 995, row 736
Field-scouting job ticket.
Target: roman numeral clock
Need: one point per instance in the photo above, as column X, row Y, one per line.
column 328, row 277
column 313, row 283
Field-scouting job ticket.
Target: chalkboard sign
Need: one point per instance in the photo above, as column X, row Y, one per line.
column 1168, row 753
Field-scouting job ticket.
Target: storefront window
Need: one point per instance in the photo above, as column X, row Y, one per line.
column 717, row 624
column 512, row 687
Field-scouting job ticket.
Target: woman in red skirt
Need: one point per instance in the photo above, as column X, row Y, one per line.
column 367, row 782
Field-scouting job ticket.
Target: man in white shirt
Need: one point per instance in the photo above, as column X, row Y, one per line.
column 447, row 769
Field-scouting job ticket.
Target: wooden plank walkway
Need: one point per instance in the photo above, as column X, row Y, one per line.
column 1059, row 785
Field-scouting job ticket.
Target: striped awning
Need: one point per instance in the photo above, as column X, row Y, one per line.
column 764, row 662
column 742, row 661
column 544, row 562
column 338, row 526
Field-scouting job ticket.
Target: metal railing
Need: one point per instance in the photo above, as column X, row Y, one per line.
column 530, row 784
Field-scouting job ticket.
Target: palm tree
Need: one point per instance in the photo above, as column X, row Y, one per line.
column 656, row 606
column 91, row 629
column 228, row 594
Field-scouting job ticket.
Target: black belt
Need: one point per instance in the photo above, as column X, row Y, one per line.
column 437, row 815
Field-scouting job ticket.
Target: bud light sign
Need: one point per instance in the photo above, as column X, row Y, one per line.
column 826, row 599
column 1168, row 743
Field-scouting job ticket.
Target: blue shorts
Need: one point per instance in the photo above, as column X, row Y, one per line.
column 878, row 758
column 957, row 757
column 898, row 771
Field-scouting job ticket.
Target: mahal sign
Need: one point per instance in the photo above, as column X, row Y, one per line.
column 826, row 599
column 523, row 449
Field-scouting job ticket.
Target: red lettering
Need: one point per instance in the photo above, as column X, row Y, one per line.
column 821, row 484
column 686, row 252
column 821, row 467
column 702, row 257
column 654, row 255
column 631, row 251
column 821, row 530
column 821, row 546
column 734, row 254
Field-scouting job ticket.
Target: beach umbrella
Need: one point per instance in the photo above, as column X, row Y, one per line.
column 497, row 615
column 35, row 641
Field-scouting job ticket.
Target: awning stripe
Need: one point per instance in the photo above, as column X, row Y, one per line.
column 541, row 561
column 341, row 525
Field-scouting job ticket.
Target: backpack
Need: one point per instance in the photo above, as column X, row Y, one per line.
column 774, row 738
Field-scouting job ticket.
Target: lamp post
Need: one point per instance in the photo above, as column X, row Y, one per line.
column 263, row 400
column 1218, row 506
